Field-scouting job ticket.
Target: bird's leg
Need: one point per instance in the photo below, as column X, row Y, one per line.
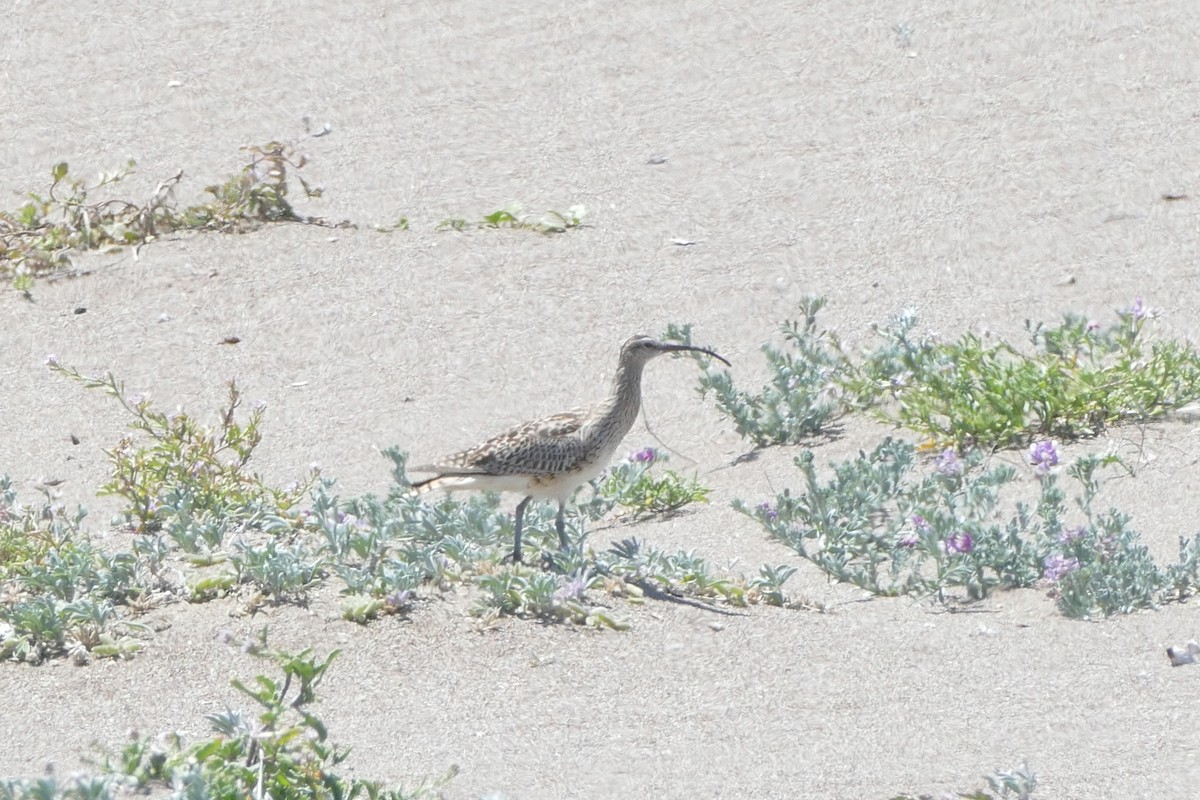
column 516, row 553
column 560, row 524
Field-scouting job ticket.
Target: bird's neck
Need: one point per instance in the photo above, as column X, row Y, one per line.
column 622, row 406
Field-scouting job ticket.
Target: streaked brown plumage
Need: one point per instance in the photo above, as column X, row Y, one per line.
column 551, row 457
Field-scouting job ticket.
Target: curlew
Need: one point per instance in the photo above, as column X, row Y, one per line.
column 551, row 457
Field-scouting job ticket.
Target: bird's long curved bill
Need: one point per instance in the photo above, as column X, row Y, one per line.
column 694, row 349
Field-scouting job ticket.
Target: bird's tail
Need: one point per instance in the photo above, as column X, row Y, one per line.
column 426, row 485
column 446, row 481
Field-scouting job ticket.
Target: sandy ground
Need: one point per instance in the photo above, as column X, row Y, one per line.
column 981, row 163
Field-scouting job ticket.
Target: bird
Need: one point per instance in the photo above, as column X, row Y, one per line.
column 549, row 458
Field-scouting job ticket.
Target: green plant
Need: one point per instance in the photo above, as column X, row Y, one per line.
column 511, row 217
column 770, row 581
column 877, row 526
column 39, row 237
column 802, row 398
column 190, row 480
column 526, row 592
column 257, row 195
column 633, row 484
column 385, row 550
column 285, row 753
column 63, row 593
column 283, row 574
column 29, row 532
column 41, row 627
column 1079, row 378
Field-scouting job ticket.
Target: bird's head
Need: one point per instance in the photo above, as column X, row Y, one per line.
column 641, row 348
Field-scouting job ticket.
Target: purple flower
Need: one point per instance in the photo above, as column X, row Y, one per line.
column 920, row 524
column 949, row 464
column 768, row 513
column 1043, row 456
column 960, row 543
column 1059, row 565
column 571, row 590
column 909, row 539
column 399, row 599
column 645, row 456
column 1138, row 309
column 1069, row 535
column 1093, row 326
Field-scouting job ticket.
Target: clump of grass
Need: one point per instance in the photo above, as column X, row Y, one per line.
column 802, row 398
column 40, row 236
column 876, row 525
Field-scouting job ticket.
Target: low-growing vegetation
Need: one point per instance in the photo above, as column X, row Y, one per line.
column 39, row 237
column 282, row 750
column 513, row 217
column 206, row 526
column 73, row 215
column 880, row 525
column 1072, row 381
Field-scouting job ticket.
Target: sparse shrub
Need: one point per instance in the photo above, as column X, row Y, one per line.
column 40, row 236
column 802, row 398
column 285, row 752
column 190, row 480
column 1079, row 378
column 876, row 525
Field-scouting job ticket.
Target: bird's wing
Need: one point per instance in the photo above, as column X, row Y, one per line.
column 549, row 444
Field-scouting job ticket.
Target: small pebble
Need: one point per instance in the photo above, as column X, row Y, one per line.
column 1184, row 655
